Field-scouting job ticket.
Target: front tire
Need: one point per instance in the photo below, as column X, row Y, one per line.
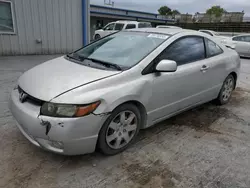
column 97, row 37
column 120, row 129
column 226, row 90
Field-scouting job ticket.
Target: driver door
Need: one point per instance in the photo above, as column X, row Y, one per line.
column 176, row 91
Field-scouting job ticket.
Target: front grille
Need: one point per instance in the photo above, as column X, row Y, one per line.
column 30, row 98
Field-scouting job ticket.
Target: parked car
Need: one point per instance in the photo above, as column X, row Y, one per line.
column 118, row 26
column 168, row 26
column 216, row 35
column 210, row 32
column 241, row 43
column 101, row 95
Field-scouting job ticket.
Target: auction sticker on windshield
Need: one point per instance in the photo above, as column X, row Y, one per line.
column 158, row 36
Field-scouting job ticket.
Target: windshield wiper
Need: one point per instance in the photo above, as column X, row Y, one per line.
column 73, row 57
column 81, row 58
column 107, row 64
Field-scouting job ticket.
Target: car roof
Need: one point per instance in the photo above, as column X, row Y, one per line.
column 129, row 21
column 167, row 31
column 125, row 21
column 207, row 30
column 168, row 26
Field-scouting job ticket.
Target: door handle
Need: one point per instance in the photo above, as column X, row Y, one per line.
column 204, row 67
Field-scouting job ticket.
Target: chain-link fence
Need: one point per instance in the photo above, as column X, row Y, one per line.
column 231, row 17
column 243, row 27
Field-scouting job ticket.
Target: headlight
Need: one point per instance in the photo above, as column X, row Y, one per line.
column 67, row 110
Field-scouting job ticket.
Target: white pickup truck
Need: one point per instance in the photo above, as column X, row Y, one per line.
column 118, row 26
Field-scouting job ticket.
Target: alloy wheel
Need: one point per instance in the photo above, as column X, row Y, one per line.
column 121, row 129
column 227, row 89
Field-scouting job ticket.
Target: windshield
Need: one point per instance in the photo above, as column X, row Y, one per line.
column 124, row 49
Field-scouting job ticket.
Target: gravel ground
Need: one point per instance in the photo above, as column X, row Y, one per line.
column 205, row 147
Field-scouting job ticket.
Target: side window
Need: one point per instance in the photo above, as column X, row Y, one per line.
column 106, row 26
column 242, row 38
column 109, row 27
column 6, row 19
column 185, row 50
column 212, row 48
column 119, row 26
column 130, row 26
column 238, row 39
column 247, row 38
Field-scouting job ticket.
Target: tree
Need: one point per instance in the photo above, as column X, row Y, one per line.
column 216, row 10
column 175, row 12
column 164, row 10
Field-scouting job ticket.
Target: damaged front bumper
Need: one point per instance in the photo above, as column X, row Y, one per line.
column 68, row 136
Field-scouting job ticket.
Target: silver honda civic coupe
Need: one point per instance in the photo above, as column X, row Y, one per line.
column 101, row 95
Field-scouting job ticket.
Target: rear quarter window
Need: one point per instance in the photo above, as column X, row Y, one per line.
column 212, row 49
column 144, row 25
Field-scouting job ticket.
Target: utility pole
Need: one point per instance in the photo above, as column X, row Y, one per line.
column 109, row 3
column 86, row 21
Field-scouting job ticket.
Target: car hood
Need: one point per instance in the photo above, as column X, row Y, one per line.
column 99, row 30
column 57, row 76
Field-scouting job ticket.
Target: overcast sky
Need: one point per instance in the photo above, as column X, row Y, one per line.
column 184, row 6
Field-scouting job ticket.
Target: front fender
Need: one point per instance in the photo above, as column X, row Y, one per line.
column 137, row 91
column 117, row 102
column 110, row 95
column 98, row 32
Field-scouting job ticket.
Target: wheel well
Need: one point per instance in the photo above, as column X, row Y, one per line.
column 235, row 78
column 142, row 110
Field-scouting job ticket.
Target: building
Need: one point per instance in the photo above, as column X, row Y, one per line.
column 206, row 18
column 246, row 19
column 226, row 17
column 184, row 18
column 201, row 18
column 43, row 26
column 102, row 15
column 62, row 26
column 232, row 17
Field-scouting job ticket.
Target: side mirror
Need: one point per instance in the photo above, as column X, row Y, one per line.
column 166, row 66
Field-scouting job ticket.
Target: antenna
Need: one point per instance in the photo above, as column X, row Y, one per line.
column 109, row 3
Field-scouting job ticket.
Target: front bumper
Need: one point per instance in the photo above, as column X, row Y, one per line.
column 68, row 136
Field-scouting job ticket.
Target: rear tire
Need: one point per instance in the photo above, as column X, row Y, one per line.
column 120, row 129
column 226, row 90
